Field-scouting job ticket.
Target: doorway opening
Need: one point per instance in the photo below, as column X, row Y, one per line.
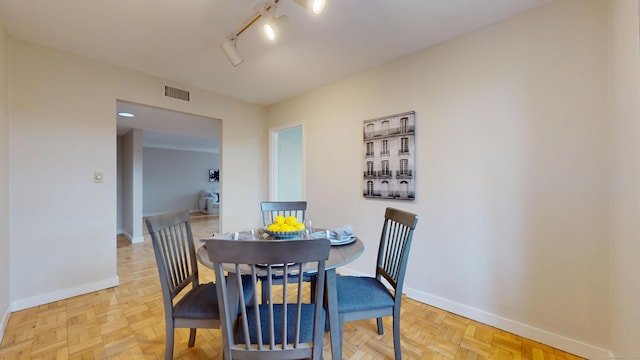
column 287, row 163
column 163, row 162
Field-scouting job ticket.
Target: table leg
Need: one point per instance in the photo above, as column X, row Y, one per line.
column 332, row 307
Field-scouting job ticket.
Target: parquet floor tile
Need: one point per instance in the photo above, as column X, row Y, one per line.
column 127, row 322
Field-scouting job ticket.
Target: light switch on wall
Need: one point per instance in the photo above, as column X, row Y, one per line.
column 98, row 177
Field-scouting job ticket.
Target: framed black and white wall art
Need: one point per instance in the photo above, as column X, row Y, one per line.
column 214, row 175
column 389, row 148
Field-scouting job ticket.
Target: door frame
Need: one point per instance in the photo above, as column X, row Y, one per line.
column 273, row 159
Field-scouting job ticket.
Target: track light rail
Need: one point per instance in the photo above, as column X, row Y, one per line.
column 255, row 18
column 271, row 28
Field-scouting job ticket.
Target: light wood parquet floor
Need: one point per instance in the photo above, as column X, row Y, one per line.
column 127, row 322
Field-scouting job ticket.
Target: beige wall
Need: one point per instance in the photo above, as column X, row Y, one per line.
column 63, row 128
column 624, row 69
column 4, row 184
column 512, row 185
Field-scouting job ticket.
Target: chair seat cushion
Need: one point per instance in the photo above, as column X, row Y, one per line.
column 200, row 302
column 358, row 293
column 306, row 323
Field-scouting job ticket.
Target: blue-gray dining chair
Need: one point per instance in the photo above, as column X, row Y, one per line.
column 367, row 297
column 281, row 328
column 178, row 269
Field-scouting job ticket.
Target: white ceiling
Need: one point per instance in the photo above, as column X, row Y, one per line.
column 179, row 40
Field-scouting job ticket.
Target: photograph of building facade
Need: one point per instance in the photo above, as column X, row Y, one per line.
column 389, row 157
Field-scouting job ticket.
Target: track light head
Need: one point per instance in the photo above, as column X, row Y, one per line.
column 276, row 26
column 315, row 6
column 231, row 51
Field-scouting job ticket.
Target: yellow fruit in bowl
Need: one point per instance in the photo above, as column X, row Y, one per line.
column 285, row 224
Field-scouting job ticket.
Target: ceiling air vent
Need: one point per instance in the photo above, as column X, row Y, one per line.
column 176, row 93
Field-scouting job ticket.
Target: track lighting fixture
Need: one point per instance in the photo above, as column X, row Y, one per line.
column 231, row 51
column 276, row 26
column 272, row 28
column 315, row 6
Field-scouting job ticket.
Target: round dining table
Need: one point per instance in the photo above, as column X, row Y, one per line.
column 339, row 255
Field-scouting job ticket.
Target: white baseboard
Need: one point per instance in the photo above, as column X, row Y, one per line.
column 38, row 300
column 543, row 336
column 137, row 240
column 3, row 322
column 134, row 240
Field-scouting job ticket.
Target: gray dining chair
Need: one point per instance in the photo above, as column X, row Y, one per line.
column 178, row 269
column 280, row 328
column 367, row 297
column 271, row 209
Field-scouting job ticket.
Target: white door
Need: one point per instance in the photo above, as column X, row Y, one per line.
column 287, row 164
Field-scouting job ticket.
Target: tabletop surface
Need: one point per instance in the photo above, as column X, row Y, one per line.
column 339, row 255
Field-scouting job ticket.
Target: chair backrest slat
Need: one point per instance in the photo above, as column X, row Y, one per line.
column 285, row 301
column 166, row 262
column 271, row 209
column 298, row 309
column 395, row 242
column 254, row 279
column 272, row 326
column 282, row 324
column 174, row 244
column 183, row 263
column 177, row 249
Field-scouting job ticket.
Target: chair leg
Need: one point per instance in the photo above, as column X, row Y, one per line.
column 168, row 352
column 192, row 337
column 380, row 327
column 340, row 340
column 396, row 335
